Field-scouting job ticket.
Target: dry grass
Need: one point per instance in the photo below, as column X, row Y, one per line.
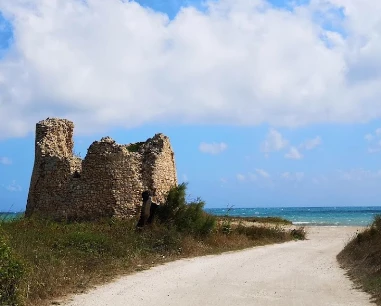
column 62, row 258
column 361, row 257
column 261, row 220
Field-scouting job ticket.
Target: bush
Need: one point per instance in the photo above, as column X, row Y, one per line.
column 261, row 232
column 361, row 257
column 11, row 272
column 185, row 217
column 377, row 223
column 298, row 233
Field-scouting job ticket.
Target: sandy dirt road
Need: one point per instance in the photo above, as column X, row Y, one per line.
column 292, row 274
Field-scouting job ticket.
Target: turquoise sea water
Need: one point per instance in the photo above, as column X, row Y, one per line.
column 323, row 216
column 6, row 216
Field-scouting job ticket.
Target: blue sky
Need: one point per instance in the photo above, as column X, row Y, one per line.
column 266, row 103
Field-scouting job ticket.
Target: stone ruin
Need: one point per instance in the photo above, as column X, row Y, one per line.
column 108, row 182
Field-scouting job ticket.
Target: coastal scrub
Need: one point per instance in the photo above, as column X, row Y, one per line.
column 361, row 257
column 11, row 272
column 62, row 258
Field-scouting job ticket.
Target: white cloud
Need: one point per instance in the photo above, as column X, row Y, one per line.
column 319, row 179
column 13, row 187
column 368, row 137
column 5, row 161
column 374, row 141
column 185, row 178
column 262, row 173
column 213, row 148
column 293, row 154
column 311, row 144
column 241, row 177
column 223, row 180
column 274, row 142
column 359, row 174
column 288, row 176
column 246, row 177
column 250, row 63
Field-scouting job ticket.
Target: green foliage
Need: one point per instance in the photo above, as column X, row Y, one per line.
column 11, row 272
column 185, row 217
column 226, row 227
column 67, row 257
column 168, row 241
column 86, row 242
column 135, row 147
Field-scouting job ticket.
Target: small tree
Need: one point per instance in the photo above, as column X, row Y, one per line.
column 186, row 217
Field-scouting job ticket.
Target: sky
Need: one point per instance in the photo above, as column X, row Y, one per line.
column 266, row 103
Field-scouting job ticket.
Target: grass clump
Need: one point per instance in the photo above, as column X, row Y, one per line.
column 361, row 257
column 11, row 272
column 271, row 220
column 60, row 258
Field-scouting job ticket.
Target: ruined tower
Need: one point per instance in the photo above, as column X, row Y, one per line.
column 108, row 182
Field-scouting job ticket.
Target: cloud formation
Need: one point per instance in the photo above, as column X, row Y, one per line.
column 288, row 176
column 262, row 173
column 247, row 177
column 311, row 144
column 241, row 177
column 13, row 187
column 108, row 63
column 293, row 154
column 359, row 174
column 212, row 148
column 5, row 161
column 274, row 142
column 374, row 141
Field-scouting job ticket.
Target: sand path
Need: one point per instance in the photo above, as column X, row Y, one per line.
column 294, row 273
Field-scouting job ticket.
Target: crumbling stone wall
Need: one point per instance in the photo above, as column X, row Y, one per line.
column 107, row 183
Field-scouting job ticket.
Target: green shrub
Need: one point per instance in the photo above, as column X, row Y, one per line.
column 135, row 147
column 11, row 272
column 298, row 233
column 185, row 217
column 168, row 241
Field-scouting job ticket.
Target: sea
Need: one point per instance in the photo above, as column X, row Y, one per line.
column 308, row 216
column 317, row 216
column 8, row 216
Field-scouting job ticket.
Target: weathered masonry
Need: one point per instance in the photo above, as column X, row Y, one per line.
column 108, row 182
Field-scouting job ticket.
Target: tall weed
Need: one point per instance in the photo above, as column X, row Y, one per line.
column 11, row 272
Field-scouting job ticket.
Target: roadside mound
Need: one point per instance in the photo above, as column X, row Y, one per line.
column 361, row 257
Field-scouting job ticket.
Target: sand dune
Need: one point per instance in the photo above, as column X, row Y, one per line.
column 293, row 273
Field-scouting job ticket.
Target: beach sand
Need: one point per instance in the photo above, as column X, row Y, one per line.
column 292, row 273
